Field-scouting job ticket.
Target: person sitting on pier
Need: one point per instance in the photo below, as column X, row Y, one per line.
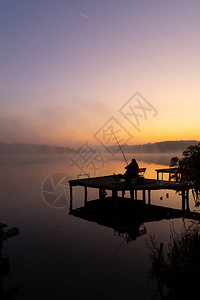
column 132, row 170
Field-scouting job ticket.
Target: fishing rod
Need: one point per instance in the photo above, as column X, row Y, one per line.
column 120, row 148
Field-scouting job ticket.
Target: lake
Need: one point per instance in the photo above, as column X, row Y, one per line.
column 60, row 256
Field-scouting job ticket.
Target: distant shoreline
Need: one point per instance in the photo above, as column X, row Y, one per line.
column 165, row 147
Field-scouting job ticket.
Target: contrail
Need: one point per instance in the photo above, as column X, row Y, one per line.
column 84, row 16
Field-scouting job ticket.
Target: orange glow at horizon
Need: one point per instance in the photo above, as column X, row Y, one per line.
column 67, row 74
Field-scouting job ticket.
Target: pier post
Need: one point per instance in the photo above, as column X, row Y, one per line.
column 100, row 194
column 123, row 193
column 187, row 200
column 144, row 194
column 71, row 198
column 114, row 193
column 183, row 200
column 85, row 202
column 149, row 196
column 132, row 194
column 135, row 194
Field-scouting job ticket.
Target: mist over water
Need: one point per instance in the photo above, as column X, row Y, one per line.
column 60, row 256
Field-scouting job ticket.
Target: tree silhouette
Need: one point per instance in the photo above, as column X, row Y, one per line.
column 189, row 167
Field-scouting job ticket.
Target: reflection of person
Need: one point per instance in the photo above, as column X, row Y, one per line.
column 132, row 170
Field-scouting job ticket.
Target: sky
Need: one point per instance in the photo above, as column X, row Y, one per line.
column 73, row 71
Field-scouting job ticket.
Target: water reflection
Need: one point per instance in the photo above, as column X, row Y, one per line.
column 125, row 216
column 69, row 257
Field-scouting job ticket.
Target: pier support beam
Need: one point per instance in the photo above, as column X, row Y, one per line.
column 85, row 202
column 135, row 194
column 187, row 200
column 114, row 193
column 183, row 200
column 149, row 196
column 132, row 194
column 71, row 198
column 102, row 193
column 144, row 196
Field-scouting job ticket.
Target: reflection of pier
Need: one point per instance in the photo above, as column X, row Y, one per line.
column 117, row 183
column 125, row 216
column 114, row 213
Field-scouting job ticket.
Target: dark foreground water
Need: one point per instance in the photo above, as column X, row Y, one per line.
column 59, row 256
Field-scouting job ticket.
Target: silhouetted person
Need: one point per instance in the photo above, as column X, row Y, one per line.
column 132, row 170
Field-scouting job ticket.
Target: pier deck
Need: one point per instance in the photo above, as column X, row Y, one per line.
column 117, row 183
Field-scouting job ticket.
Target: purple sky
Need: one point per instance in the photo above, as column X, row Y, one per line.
column 68, row 66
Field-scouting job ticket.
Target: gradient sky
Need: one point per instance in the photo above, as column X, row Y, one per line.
column 68, row 66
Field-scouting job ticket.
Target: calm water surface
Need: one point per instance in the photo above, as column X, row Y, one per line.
column 59, row 256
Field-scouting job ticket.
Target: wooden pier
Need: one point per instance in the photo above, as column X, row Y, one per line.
column 117, row 184
column 170, row 171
